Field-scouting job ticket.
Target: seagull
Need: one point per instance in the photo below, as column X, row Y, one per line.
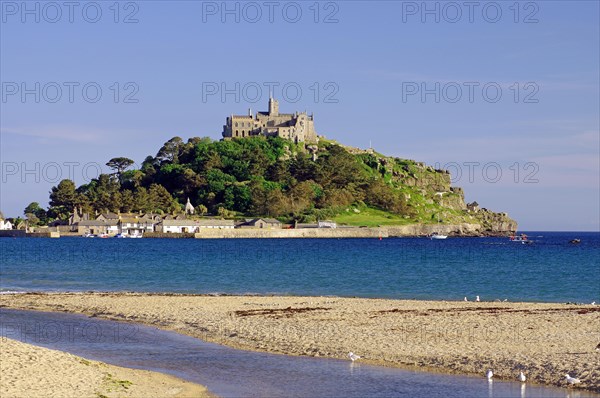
column 489, row 374
column 593, row 303
column 572, row 380
column 466, row 299
column 522, row 377
column 477, row 298
column 353, row 356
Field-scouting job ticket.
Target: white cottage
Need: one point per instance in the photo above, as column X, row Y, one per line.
column 5, row 225
column 135, row 226
column 177, row 226
column 192, row 226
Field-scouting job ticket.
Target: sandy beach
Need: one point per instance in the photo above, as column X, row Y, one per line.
column 543, row 340
column 30, row 371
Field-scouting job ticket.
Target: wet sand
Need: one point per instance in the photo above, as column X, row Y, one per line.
column 543, row 340
column 30, row 371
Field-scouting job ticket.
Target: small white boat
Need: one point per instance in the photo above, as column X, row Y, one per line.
column 88, row 235
column 519, row 238
column 437, row 235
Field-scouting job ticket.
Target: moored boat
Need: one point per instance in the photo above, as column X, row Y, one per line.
column 436, row 235
column 519, row 238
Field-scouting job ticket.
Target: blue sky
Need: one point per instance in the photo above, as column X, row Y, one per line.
column 377, row 66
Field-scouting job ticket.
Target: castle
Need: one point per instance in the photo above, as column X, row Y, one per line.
column 298, row 127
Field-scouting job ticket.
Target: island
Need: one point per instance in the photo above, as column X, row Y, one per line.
column 270, row 176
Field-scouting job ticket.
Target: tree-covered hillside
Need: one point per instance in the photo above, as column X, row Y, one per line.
column 272, row 177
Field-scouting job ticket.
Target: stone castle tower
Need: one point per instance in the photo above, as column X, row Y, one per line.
column 273, row 107
column 298, row 127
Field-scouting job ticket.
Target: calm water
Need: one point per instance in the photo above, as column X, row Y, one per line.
column 550, row 269
column 236, row 373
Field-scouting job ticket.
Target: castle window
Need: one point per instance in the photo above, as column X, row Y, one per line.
column 236, row 124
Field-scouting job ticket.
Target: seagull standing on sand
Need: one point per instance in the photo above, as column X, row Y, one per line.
column 572, row 380
column 489, row 374
column 466, row 299
column 477, row 298
column 522, row 377
column 353, row 356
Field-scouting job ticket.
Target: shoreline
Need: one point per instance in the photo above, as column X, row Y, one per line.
column 267, row 295
column 546, row 340
column 341, row 232
column 61, row 374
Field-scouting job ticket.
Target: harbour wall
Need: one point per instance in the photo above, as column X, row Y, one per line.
column 293, row 233
column 351, row 232
column 20, row 233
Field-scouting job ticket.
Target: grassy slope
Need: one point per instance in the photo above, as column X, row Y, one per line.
column 370, row 218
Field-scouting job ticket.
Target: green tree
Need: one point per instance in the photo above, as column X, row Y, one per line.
column 132, row 179
column 35, row 209
column 300, row 197
column 280, row 172
column 258, row 194
column 101, row 192
column 116, row 202
column 170, row 151
column 201, row 209
column 32, row 220
column 141, row 200
column 383, row 196
column 64, row 194
column 127, row 201
column 337, row 197
column 63, row 199
column 276, row 203
column 119, row 165
column 339, row 168
column 303, row 168
column 160, row 199
column 224, row 213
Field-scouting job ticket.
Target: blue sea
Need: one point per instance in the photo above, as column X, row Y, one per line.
column 548, row 270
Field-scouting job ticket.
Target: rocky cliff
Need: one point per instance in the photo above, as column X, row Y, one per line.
column 429, row 192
